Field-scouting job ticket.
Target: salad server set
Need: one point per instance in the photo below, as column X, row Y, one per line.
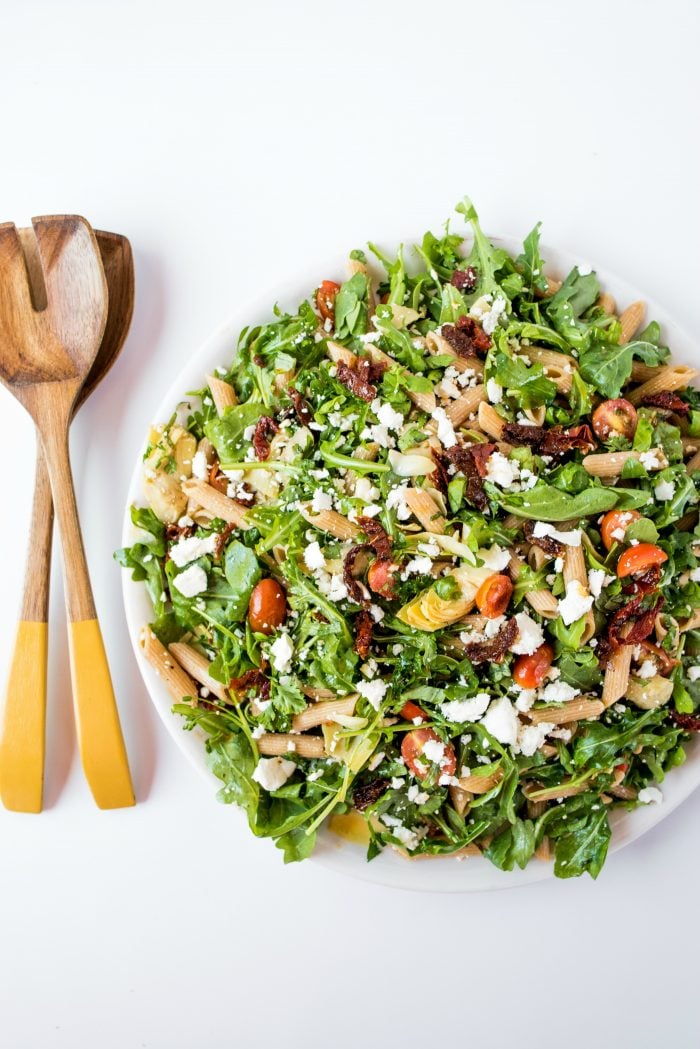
column 66, row 302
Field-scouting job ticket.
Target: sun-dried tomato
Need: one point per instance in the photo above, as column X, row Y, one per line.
column 555, row 441
column 364, row 625
column 378, row 539
column 466, row 337
column 668, row 401
column 481, row 453
column 265, row 429
column 252, row 680
column 366, row 794
column 301, row 407
column 217, row 479
column 690, row 722
column 548, row 543
column 465, row 280
column 473, row 465
column 494, row 649
column 355, row 382
column 354, row 588
column 175, row 532
column 646, row 583
column 370, row 370
column 222, row 539
column 440, row 477
column 664, row 662
column 641, row 622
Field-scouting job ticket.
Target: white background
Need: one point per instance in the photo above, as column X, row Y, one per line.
column 229, row 142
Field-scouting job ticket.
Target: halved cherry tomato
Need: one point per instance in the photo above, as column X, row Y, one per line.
column 411, row 711
column 412, row 751
column 380, row 577
column 614, row 520
column 615, row 417
column 325, row 298
column 267, row 608
column 530, row 671
column 638, row 558
column 493, row 596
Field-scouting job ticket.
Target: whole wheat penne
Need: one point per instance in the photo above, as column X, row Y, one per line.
column 669, row 378
column 691, row 623
column 197, row 664
column 575, row 571
column 178, row 683
column 317, row 693
column 610, row 464
column 490, row 421
column 223, row 394
column 621, row 790
column 617, row 675
column 631, row 320
column 465, row 405
column 330, row 521
column 425, row 401
column 553, row 286
column 424, row 507
column 272, row 744
column 461, row 799
column 693, row 463
column 606, row 303
column 481, row 784
column 215, row 502
column 535, row 809
column 543, row 851
column 543, row 601
column 323, row 712
column 338, row 353
column 691, row 445
column 574, row 710
column 558, row 367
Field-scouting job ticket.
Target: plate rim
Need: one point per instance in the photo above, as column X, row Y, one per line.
column 444, row 874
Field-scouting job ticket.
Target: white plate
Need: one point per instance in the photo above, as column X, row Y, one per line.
column 442, row 874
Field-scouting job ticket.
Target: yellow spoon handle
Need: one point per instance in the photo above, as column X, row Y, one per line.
column 23, row 729
column 100, row 739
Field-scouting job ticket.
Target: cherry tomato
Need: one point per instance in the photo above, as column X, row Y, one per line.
column 412, row 751
column 380, row 577
column 325, row 299
column 638, row 558
column 267, row 608
column 617, row 417
column 530, row 671
column 411, row 711
column 493, row 596
column 612, row 522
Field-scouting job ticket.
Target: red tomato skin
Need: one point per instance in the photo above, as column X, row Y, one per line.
column 267, row 608
column 530, row 671
column 618, row 416
column 638, row 558
column 493, row 596
column 325, row 299
column 412, row 748
column 410, row 711
column 613, row 520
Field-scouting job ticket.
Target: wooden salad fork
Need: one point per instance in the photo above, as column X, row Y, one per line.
column 53, row 316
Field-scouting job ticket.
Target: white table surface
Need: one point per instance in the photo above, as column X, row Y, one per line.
column 228, row 141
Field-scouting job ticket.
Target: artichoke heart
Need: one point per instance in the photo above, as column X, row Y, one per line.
column 428, row 611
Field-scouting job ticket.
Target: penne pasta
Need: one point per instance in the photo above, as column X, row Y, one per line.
column 216, row 503
column 631, row 321
column 575, row 572
column 177, row 681
column 490, row 421
column 481, row 784
column 330, row 521
column 424, row 507
column 323, row 712
column 277, row 744
column 617, row 675
column 575, row 710
column 197, row 665
column 459, row 410
column 338, row 353
column 669, row 378
column 461, row 799
column 606, row 303
column 610, row 464
column 425, row 401
column 542, row 601
column 557, row 366
column 223, row 394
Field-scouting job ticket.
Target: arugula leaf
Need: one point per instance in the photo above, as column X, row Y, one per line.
column 584, row 848
column 530, row 263
column 351, row 307
column 144, row 556
column 226, row 431
column 544, row 502
column 242, row 571
column 526, row 384
column 516, row 844
column 609, row 367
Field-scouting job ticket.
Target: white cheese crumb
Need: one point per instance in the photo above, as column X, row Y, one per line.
column 396, row 500
column 445, row 430
column 529, row 637
column 199, row 466
column 373, row 691
column 416, row 795
column 576, row 603
column 321, row 501
column 650, row 795
column 693, row 673
column 500, row 470
column 650, row 460
column 273, row 773
column 646, row 669
column 494, row 391
column 541, row 529
column 664, row 490
column 463, row 710
column 597, row 579
column 501, row 721
column 388, row 416
column 190, row 549
column 281, row 652
column 417, row 566
column 531, row 738
column 365, row 490
column 558, row 692
column 191, row 582
column 313, row 556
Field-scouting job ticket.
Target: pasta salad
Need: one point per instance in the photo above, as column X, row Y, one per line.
column 424, row 559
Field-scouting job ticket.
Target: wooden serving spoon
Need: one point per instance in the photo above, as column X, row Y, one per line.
column 56, row 341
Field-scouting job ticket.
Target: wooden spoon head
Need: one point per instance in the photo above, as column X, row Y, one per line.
column 59, row 342
column 118, row 264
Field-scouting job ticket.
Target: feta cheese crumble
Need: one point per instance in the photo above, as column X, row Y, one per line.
column 281, row 652
column 494, row 391
column 373, row 691
column 445, row 430
column 273, row 773
column 191, row 582
column 576, row 603
column 650, row 795
column 463, row 710
column 529, row 637
column 190, row 549
column 313, row 557
column 501, row 720
column 541, row 530
column 664, row 490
